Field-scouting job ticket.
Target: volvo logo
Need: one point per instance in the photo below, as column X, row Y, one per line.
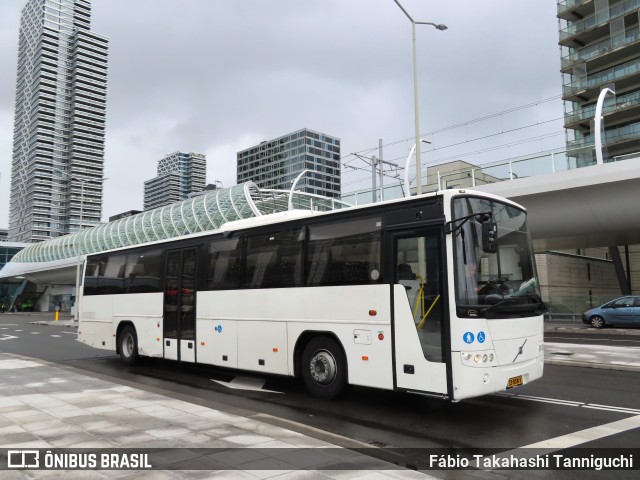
column 520, row 350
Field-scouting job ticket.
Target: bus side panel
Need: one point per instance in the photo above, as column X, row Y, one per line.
column 144, row 310
column 263, row 346
column 368, row 357
column 95, row 326
column 269, row 319
column 216, row 340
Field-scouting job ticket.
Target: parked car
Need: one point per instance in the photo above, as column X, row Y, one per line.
column 623, row 311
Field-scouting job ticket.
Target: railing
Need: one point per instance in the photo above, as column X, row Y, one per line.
column 619, row 103
column 565, row 5
column 550, row 161
column 610, row 136
column 474, row 175
column 601, row 48
column 593, row 20
column 604, row 77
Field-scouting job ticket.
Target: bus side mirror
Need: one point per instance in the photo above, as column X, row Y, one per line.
column 489, row 236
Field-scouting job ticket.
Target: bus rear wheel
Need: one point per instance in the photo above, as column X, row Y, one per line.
column 324, row 368
column 128, row 345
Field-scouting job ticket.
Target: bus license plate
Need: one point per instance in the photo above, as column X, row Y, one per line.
column 514, row 381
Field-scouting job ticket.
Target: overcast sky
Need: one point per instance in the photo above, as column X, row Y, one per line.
column 219, row 76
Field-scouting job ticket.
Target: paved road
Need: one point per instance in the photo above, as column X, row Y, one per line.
column 578, row 406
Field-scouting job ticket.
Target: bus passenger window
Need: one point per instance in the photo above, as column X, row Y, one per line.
column 224, row 264
column 344, row 253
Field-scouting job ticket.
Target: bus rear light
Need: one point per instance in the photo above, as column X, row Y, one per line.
column 202, row 344
column 365, row 358
column 157, row 339
column 381, row 336
column 372, row 313
column 275, row 349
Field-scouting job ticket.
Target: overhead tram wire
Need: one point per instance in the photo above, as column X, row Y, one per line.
column 484, row 137
column 452, row 127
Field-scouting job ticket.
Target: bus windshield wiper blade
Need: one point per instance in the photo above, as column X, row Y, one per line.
column 504, row 302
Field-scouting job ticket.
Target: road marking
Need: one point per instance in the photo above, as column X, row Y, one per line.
column 633, row 411
column 246, row 383
column 35, row 333
column 571, row 403
column 56, row 336
column 70, row 333
column 588, row 435
column 17, row 330
column 7, row 337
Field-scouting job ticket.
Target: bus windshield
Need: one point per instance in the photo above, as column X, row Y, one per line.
column 497, row 280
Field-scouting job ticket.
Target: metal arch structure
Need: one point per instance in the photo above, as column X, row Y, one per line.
column 198, row 214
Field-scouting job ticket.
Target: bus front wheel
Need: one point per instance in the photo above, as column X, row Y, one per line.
column 128, row 343
column 324, row 368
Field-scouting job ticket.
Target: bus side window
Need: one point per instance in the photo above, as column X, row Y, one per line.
column 224, row 263
column 274, row 259
column 344, row 253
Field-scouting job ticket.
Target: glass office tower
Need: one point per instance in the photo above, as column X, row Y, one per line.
column 179, row 174
column 60, row 109
column 276, row 163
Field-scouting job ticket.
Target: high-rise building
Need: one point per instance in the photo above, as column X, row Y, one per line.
column 179, row 174
column 60, row 109
column 276, row 163
column 600, row 48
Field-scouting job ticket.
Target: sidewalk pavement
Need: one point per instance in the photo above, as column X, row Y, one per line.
column 47, row 406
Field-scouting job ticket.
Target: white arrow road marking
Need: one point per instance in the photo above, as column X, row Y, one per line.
column 246, row 383
column 7, row 337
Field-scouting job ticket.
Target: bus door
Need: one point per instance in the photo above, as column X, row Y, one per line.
column 419, row 310
column 179, row 321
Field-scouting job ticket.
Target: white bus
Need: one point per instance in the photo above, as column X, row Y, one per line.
column 435, row 294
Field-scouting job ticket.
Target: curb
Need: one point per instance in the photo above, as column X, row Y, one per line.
column 591, row 331
column 59, row 323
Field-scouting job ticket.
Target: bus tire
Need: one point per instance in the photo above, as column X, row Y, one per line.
column 324, row 368
column 128, row 345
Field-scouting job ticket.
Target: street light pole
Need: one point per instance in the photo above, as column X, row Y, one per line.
column 438, row 26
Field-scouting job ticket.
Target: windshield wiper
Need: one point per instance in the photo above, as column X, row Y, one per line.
column 529, row 302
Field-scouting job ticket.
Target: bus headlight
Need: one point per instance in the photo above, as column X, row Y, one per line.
column 479, row 359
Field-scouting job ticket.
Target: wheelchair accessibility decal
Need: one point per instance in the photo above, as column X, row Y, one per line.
column 469, row 337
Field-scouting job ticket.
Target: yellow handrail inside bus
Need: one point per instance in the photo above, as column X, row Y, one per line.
column 433, row 304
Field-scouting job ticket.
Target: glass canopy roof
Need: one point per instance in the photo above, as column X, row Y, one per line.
column 197, row 214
